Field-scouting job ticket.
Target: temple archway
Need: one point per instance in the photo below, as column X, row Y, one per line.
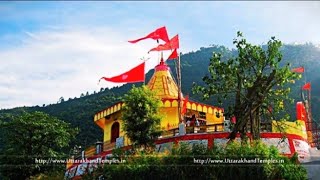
column 115, row 131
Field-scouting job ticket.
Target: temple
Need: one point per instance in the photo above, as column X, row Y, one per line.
column 204, row 124
column 165, row 87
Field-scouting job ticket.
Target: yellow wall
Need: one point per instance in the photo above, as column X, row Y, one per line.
column 298, row 127
column 108, row 124
column 212, row 119
column 169, row 116
column 107, row 132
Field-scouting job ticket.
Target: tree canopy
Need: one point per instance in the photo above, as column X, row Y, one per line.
column 252, row 82
column 141, row 116
column 29, row 137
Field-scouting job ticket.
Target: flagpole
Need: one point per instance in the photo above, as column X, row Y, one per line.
column 309, row 100
column 144, row 82
column 309, row 94
column 309, row 103
column 159, row 59
column 179, row 89
column 144, row 60
column 177, row 65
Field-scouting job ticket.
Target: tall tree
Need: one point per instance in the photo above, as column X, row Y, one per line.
column 141, row 117
column 31, row 137
column 253, row 80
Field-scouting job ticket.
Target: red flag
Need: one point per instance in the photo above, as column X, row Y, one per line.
column 307, row 86
column 173, row 55
column 134, row 75
column 233, row 120
column 184, row 108
column 298, row 70
column 172, row 44
column 160, row 33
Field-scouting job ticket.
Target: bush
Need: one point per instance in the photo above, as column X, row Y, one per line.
column 180, row 163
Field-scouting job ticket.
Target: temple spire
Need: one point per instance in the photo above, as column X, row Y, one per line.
column 161, row 59
column 162, row 82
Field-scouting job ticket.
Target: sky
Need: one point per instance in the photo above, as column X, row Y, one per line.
column 59, row 49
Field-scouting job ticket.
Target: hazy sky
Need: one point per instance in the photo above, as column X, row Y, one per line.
column 54, row 49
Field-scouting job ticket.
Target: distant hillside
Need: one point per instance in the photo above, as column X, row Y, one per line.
column 80, row 111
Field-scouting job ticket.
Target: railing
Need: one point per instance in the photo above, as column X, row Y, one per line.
column 108, row 145
column 170, row 133
column 194, row 129
column 90, row 151
column 215, row 127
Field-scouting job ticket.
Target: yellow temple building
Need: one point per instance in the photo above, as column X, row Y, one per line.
column 164, row 86
column 212, row 127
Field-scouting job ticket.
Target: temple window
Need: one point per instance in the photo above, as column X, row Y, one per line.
column 202, row 115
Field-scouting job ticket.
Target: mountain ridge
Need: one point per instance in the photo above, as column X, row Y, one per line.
column 79, row 112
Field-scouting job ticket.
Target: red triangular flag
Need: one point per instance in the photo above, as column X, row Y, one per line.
column 172, row 44
column 173, row 55
column 307, row 86
column 160, row 33
column 134, row 75
column 298, row 70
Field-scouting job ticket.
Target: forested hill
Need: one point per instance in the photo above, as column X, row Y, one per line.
column 80, row 111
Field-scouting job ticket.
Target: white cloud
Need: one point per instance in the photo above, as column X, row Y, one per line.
column 50, row 64
column 60, row 49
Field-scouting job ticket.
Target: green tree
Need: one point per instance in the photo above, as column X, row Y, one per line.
column 61, row 100
column 30, row 137
column 141, row 117
column 253, row 80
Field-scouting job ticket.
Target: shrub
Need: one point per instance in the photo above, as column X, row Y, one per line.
column 180, row 164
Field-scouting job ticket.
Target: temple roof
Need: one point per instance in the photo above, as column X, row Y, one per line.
column 162, row 82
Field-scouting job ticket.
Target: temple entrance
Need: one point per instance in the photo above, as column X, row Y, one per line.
column 114, row 131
